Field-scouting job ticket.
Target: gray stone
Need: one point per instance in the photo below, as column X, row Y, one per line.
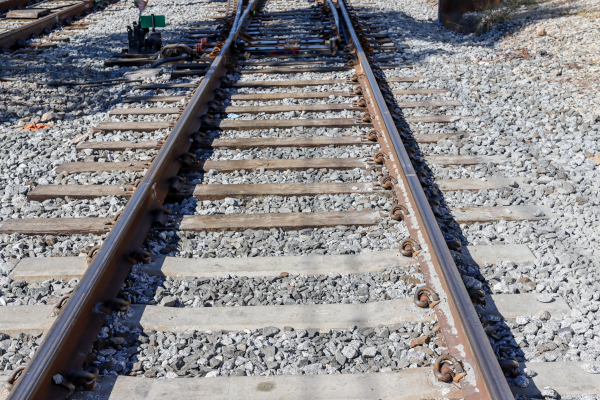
column 369, row 352
column 270, row 331
column 350, row 352
column 168, row 301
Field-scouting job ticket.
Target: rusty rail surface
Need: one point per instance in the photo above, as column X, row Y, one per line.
column 461, row 327
column 24, row 32
column 70, row 338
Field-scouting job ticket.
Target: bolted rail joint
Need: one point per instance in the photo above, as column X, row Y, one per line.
column 443, row 372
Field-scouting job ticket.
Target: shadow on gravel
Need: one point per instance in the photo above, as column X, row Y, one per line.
column 431, row 31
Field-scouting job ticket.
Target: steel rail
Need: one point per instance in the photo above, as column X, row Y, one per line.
column 463, row 331
column 71, row 336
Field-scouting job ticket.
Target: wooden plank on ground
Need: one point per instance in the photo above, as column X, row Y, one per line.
column 321, row 316
column 286, row 70
column 282, row 164
column 502, row 213
column 431, row 103
column 173, row 319
column 55, row 226
column 39, row 269
column 464, row 160
column 146, row 111
column 30, row 320
column 222, row 166
column 450, row 185
column 80, row 167
column 408, row 384
column 566, row 377
column 436, row 137
column 121, row 145
column 480, row 254
column 406, row 79
column 215, row 191
column 509, row 306
column 292, row 107
column 311, row 141
column 153, row 86
column 181, row 268
column 420, row 91
column 132, row 126
column 153, row 99
column 289, row 123
column 291, row 95
column 293, row 220
column 45, row 192
column 291, row 62
column 247, row 143
column 437, row 119
column 204, row 192
column 292, row 83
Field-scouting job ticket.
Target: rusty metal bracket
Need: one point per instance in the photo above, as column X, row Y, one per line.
column 161, row 216
column 10, row 383
column 379, row 157
column 454, row 245
column 426, row 297
column 59, row 305
column 398, row 212
column 477, row 297
column 86, row 379
column 92, row 253
column 115, row 218
column 177, row 183
column 365, row 118
column 372, row 136
column 352, row 79
column 443, row 372
column 142, row 256
column 409, row 248
column 510, row 367
column 359, row 103
column 115, row 304
column 220, row 94
column 187, row 159
column 388, row 182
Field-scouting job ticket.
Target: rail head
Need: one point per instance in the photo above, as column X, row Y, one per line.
column 464, row 333
column 70, row 338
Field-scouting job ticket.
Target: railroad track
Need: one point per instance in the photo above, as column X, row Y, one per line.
column 288, row 229
column 19, row 25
